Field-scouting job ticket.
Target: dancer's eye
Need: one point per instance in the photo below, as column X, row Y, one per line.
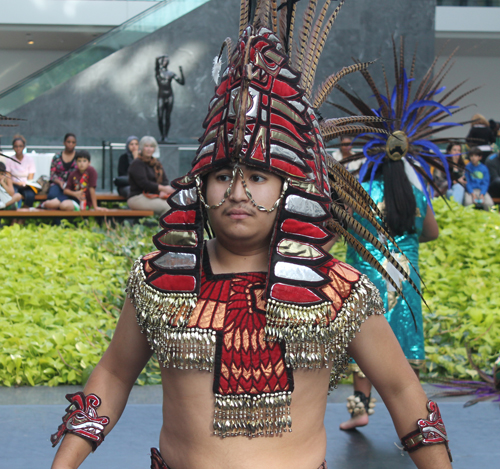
column 223, row 177
column 258, row 178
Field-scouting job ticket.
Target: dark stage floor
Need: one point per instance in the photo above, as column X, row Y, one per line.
column 29, row 416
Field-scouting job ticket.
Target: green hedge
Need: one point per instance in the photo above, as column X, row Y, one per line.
column 63, row 287
column 461, row 270
column 62, row 290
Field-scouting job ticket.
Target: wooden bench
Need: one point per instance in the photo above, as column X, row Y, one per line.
column 101, row 197
column 496, row 200
column 41, row 213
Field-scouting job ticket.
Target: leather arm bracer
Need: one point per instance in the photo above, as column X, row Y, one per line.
column 82, row 420
column 429, row 432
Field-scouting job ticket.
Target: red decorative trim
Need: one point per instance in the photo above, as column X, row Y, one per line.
column 430, row 431
column 81, row 419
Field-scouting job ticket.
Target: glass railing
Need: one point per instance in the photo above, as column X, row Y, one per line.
column 71, row 64
column 468, row 3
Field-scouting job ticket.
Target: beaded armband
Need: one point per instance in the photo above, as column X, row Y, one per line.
column 81, row 419
column 429, row 432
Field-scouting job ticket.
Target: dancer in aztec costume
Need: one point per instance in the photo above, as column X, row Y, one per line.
column 397, row 173
column 252, row 327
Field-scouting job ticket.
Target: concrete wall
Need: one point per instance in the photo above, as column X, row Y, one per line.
column 17, row 64
column 117, row 96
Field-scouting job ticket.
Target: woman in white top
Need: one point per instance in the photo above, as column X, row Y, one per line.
column 22, row 170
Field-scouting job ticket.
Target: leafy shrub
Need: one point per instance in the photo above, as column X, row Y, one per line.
column 62, row 290
column 461, row 270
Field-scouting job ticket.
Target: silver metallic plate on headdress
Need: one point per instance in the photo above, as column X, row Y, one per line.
column 296, row 272
column 176, row 260
column 287, row 73
column 285, row 152
column 302, row 206
column 186, row 197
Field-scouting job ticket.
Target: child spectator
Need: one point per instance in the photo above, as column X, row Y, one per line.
column 22, row 171
column 8, row 196
column 61, row 167
column 478, row 180
column 81, row 185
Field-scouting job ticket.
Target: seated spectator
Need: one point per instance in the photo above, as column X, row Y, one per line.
column 131, row 153
column 457, row 170
column 8, row 196
column 61, row 167
column 148, row 182
column 22, row 170
column 478, row 180
column 493, row 165
column 81, row 185
column 344, row 152
column 480, row 135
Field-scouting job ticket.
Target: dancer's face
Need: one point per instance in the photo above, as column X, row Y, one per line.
column 237, row 219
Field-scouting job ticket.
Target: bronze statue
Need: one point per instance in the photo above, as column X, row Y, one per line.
column 164, row 79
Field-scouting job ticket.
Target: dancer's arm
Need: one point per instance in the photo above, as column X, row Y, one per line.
column 430, row 229
column 378, row 353
column 111, row 380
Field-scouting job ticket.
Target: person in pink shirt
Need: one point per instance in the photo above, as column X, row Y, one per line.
column 22, row 170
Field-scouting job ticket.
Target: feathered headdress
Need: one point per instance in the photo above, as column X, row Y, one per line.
column 410, row 122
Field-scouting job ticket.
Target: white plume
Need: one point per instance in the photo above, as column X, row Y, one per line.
column 216, row 69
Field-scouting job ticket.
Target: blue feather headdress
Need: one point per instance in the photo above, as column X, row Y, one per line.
column 410, row 122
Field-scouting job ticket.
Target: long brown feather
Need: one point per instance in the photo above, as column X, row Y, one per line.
column 450, row 92
column 262, row 14
column 327, row 87
column 428, row 74
column 330, row 123
column 342, row 108
column 456, row 100
column 365, row 254
column 291, row 31
column 334, row 132
column 305, row 31
column 371, row 83
column 244, row 15
column 368, row 236
column 274, row 16
column 351, row 184
column 356, row 206
column 282, row 22
column 363, row 107
column 321, row 44
column 5, row 118
column 434, row 130
column 309, row 52
column 432, row 84
column 412, row 71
